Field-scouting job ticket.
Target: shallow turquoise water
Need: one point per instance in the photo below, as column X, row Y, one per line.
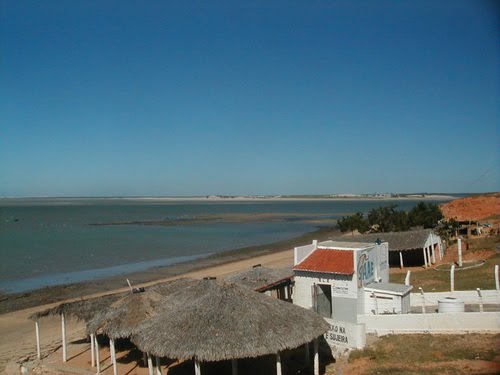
column 47, row 242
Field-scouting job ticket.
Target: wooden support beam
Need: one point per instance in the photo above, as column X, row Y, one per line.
column 158, row 365
column 97, row 356
column 197, row 367
column 278, row 364
column 92, row 350
column 401, row 264
column 63, row 334
column 113, row 355
column 234, row 366
column 150, row 365
column 37, row 333
column 316, row 357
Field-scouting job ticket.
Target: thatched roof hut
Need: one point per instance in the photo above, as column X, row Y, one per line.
column 122, row 318
column 261, row 278
column 216, row 321
column 84, row 309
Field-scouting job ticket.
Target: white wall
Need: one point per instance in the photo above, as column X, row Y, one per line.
column 384, row 304
column 469, row 297
column 342, row 286
column 343, row 335
column 301, row 252
column 432, row 323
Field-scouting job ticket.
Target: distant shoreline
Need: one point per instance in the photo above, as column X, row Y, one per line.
column 227, row 199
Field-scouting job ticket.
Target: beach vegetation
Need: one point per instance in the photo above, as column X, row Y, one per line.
column 390, row 219
column 352, row 223
column 429, row 354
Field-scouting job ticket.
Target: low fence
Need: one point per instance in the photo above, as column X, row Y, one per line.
column 454, row 323
column 469, row 297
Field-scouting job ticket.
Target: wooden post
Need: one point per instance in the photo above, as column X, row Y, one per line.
column 110, row 352
column 145, row 358
column 433, row 253
column 401, row 264
column 113, row 355
column 150, row 365
column 234, row 365
column 407, row 278
column 306, row 351
column 197, row 367
column 425, row 258
column 452, row 278
column 92, row 350
column 158, row 365
column 316, row 357
column 429, row 260
column 278, row 364
column 497, row 284
column 63, row 334
column 97, row 356
column 37, row 333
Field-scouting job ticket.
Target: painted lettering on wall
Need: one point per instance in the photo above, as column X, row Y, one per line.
column 337, row 334
column 365, row 269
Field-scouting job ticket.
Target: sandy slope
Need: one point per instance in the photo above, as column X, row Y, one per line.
column 473, row 208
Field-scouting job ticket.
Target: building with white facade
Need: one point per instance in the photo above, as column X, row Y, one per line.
column 342, row 280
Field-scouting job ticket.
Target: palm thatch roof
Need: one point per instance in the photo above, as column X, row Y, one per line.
column 121, row 318
column 261, row 278
column 84, row 309
column 215, row 321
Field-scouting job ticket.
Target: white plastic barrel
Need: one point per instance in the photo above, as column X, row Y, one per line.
column 451, row 305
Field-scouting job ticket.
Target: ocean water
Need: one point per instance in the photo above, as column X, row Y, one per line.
column 47, row 242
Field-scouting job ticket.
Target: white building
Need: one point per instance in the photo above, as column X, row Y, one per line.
column 341, row 280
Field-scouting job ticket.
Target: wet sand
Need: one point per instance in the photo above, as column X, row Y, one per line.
column 18, row 301
column 17, row 332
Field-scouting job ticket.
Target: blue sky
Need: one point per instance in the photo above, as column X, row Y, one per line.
column 248, row 97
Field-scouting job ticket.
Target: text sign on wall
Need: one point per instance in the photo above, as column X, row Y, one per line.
column 366, row 267
column 343, row 335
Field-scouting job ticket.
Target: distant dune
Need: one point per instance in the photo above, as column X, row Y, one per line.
column 478, row 207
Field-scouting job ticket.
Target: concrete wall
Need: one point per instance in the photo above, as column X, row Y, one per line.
column 385, row 303
column 432, row 323
column 469, row 297
column 343, row 335
column 301, row 252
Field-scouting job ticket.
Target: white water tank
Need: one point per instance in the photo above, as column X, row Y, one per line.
column 451, row 305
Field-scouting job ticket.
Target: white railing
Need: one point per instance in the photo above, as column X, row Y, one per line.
column 451, row 323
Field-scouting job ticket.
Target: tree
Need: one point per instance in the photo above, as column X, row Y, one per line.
column 352, row 223
column 425, row 215
column 447, row 228
column 388, row 219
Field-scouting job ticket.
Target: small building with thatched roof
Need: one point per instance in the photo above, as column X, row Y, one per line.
column 418, row 247
column 216, row 321
column 274, row 282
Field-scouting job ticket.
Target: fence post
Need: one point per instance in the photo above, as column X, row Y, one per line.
column 423, row 299
column 480, row 300
column 459, row 249
column 452, row 278
column 497, row 284
column 407, row 278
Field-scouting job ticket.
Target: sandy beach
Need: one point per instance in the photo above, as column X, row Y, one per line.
column 17, row 333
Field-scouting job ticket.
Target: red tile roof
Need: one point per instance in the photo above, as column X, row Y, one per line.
column 328, row 261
